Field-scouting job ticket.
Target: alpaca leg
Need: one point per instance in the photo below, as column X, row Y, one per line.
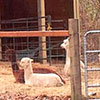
column 82, row 70
column 66, row 69
column 82, row 66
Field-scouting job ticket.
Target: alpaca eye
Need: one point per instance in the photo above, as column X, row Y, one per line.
column 22, row 62
column 28, row 61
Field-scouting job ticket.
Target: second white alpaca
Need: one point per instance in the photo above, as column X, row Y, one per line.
column 36, row 79
column 65, row 45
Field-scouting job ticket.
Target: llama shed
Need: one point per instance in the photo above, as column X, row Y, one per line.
column 24, row 16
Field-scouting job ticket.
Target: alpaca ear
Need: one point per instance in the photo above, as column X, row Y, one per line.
column 31, row 59
column 66, row 40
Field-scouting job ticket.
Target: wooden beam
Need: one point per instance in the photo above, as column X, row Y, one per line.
column 41, row 13
column 41, row 25
column 33, row 33
column 76, row 9
column 76, row 12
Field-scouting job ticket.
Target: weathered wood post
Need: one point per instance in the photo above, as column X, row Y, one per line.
column 75, row 60
column 41, row 25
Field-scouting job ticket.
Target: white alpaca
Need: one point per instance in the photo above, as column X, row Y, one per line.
column 65, row 45
column 37, row 79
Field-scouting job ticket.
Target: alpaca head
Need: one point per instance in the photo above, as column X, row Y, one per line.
column 25, row 62
column 65, row 43
column 10, row 55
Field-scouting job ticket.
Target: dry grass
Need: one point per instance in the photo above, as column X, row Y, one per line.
column 7, row 83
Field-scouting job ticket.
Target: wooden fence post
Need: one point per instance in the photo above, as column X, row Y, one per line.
column 75, row 60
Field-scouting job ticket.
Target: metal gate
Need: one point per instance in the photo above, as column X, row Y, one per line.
column 92, row 85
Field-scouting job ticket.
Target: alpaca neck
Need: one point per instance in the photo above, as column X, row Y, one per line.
column 14, row 66
column 13, row 58
column 28, row 71
column 67, row 55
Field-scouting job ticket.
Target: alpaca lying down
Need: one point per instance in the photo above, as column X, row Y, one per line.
column 39, row 79
column 10, row 55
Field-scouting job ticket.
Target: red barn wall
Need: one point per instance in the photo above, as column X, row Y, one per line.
column 58, row 9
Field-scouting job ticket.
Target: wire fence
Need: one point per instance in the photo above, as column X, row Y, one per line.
column 29, row 47
column 31, row 24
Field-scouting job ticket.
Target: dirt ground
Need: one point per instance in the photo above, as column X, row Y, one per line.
column 10, row 90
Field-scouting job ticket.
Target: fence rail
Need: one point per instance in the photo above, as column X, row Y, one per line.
column 33, row 33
